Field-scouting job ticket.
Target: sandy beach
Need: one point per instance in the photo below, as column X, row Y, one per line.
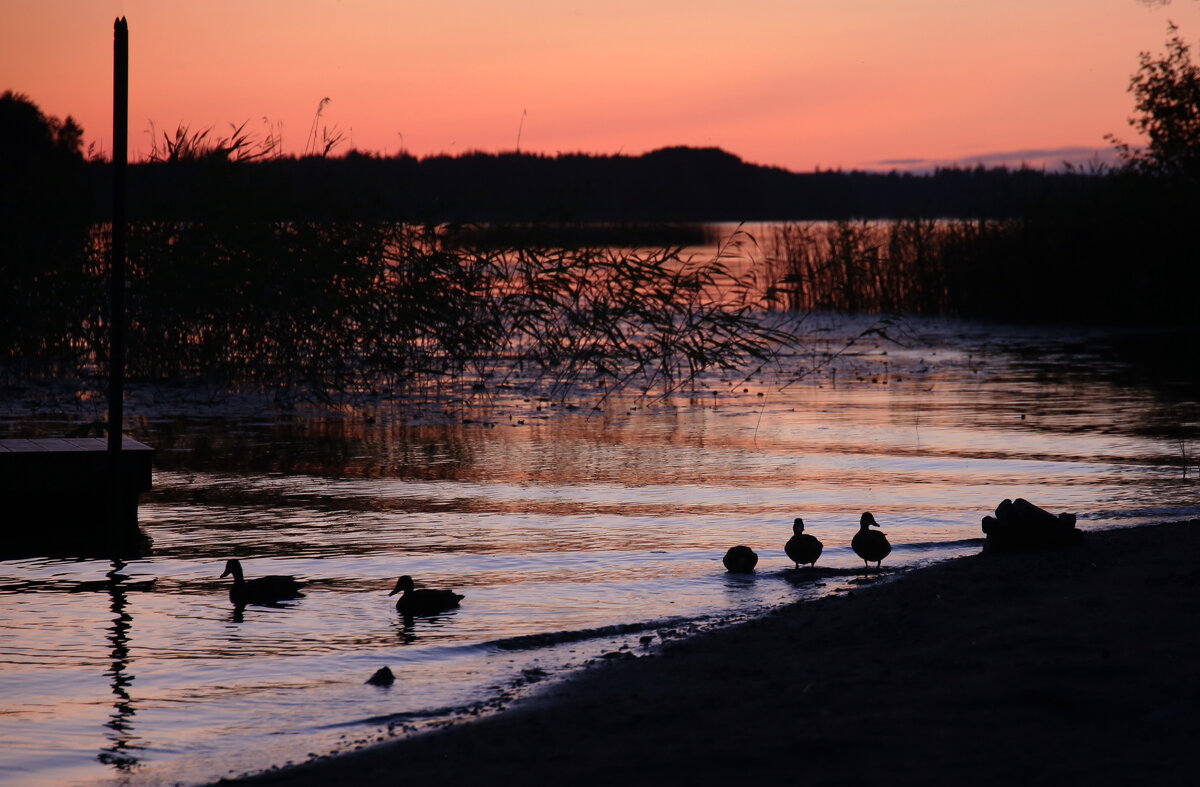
column 1065, row 666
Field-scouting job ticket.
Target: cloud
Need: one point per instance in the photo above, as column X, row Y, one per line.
column 1035, row 158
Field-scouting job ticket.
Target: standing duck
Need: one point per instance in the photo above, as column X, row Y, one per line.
column 423, row 601
column 260, row 590
column 870, row 544
column 802, row 547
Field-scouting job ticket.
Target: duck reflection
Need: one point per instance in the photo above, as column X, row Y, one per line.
column 407, row 623
column 122, row 753
column 413, row 628
column 404, row 631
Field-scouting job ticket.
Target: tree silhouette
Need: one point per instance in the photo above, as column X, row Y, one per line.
column 44, row 224
column 1167, row 92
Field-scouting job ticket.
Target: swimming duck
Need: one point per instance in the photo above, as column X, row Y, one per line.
column 802, row 547
column 423, row 601
column 260, row 590
column 870, row 544
column 740, row 559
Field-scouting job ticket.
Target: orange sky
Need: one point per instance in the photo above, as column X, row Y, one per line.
column 794, row 83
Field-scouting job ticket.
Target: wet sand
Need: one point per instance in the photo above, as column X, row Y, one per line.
column 1066, row 666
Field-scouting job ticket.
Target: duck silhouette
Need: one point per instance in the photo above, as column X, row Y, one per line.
column 260, row 590
column 802, row 547
column 870, row 545
column 423, row 601
column 740, row 559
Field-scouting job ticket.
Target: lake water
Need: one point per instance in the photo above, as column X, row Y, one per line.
column 573, row 533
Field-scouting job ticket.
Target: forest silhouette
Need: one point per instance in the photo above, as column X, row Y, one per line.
column 326, row 270
column 669, row 185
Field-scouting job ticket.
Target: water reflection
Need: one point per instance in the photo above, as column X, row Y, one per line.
column 927, row 398
column 409, row 625
column 123, row 750
column 237, row 611
column 404, row 631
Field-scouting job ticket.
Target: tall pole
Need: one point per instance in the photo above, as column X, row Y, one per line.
column 116, row 315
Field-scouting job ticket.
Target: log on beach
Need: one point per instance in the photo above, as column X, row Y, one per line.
column 1020, row 525
column 1057, row 666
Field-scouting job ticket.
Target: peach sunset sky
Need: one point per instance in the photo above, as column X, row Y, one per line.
column 865, row 84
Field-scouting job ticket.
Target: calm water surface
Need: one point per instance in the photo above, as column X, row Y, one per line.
column 573, row 533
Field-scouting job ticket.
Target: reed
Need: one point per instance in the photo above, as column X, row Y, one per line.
column 857, row 266
column 910, row 266
column 1120, row 253
column 340, row 310
column 240, row 145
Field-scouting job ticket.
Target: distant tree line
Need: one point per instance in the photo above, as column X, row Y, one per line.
column 668, row 185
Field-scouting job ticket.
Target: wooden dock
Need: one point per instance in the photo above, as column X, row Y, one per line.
column 64, row 496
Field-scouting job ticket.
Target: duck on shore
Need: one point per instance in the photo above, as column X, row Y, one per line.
column 802, row 547
column 740, row 559
column 260, row 590
column 423, row 601
column 870, row 545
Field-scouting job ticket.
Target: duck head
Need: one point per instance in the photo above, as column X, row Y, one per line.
column 798, row 526
column 233, row 567
column 867, row 521
column 403, row 585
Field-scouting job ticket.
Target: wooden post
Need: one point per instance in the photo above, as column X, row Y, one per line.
column 114, row 497
column 116, row 314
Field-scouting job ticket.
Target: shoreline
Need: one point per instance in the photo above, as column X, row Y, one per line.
column 1066, row 665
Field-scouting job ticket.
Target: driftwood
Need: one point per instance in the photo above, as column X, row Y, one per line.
column 1020, row 525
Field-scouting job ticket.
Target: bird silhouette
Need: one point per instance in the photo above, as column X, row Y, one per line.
column 740, row 559
column 870, row 545
column 423, row 601
column 260, row 590
column 802, row 547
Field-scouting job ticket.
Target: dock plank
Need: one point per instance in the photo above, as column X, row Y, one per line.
column 66, row 444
